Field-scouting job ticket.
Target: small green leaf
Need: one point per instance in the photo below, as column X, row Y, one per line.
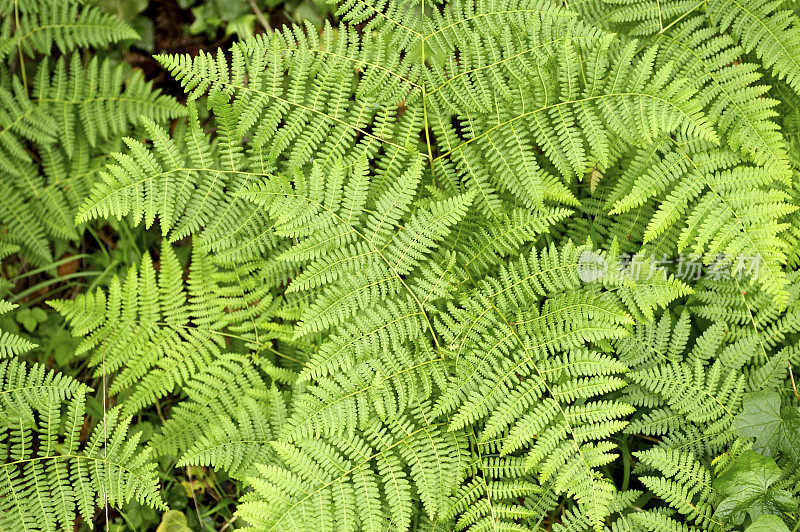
column 173, row 521
column 767, row 523
column 746, row 489
column 30, row 318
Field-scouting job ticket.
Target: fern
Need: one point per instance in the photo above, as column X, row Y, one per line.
column 528, row 400
column 685, row 484
column 35, row 27
column 50, row 474
column 346, row 479
column 143, row 323
column 423, row 270
column 97, row 101
column 257, row 421
column 730, row 91
column 11, row 344
column 498, row 493
column 56, row 127
column 767, row 28
column 687, row 394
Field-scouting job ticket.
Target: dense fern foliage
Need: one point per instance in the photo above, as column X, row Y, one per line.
column 444, row 265
column 62, row 113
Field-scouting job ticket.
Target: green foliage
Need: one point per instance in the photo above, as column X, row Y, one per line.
column 148, row 330
column 769, row 29
column 238, row 16
column 747, row 488
column 343, row 481
column 11, row 344
column 427, row 267
column 35, row 27
column 775, row 428
column 51, row 471
column 60, row 114
column 767, row 523
column 684, row 484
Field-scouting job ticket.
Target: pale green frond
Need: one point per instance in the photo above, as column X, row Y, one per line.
column 11, row 344
column 49, row 475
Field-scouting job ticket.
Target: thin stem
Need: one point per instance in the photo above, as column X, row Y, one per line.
column 191, row 489
column 50, row 282
column 680, row 17
column 105, row 430
column 99, row 242
column 49, row 266
column 794, row 384
column 19, row 48
column 260, row 16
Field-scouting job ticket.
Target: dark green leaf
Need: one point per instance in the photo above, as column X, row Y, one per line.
column 767, row 523
column 747, row 489
column 775, row 429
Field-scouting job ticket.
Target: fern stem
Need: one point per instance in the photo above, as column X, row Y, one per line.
column 55, row 264
column 664, row 29
column 19, row 49
column 626, row 464
column 794, row 384
column 51, row 282
column 260, row 16
column 50, row 294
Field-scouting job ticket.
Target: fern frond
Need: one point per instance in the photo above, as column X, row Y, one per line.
column 97, row 101
column 508, row 373
column 21, row 121
column 88, row 105
column 387, row 322
column 685, row 484
column 498, row 494
column 400, row 16
column 11, row 344
column 727, row 212
column 162, row 182
column 687, row 395
column 49, row 474
column 577, row 120
column 212, row 394
column 727, row 89
column 153, row 333
column 340, row 482
column 67, row 25
column 236, row 444
column 315, row 105
column 767, row 28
